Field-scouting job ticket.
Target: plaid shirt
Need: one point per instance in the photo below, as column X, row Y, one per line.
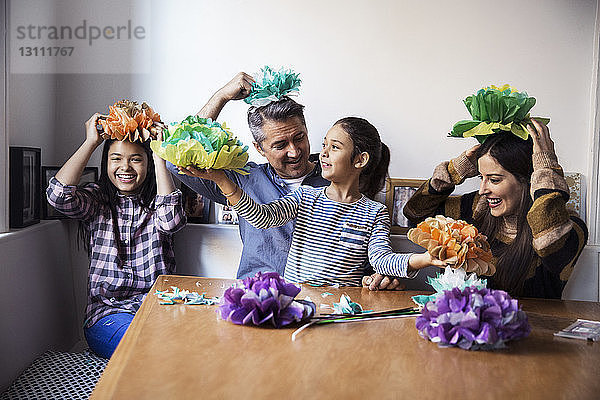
column 146, row 244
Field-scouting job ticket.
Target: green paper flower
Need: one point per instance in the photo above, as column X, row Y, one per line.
column 203, row 143
column 271, row 85
column 496, row 109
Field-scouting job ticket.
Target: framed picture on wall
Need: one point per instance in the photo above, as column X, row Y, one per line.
column 196, row 206
column 226, row 215
column 398, row 191
column 25, row 171
column 89, row 175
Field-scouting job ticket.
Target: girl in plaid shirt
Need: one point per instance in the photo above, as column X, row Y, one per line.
column 128, row 219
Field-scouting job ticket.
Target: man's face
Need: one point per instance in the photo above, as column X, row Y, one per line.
column 286, row 147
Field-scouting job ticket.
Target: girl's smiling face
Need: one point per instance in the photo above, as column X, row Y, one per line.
column 336, row 156
column 501, row 189
column 127, row 166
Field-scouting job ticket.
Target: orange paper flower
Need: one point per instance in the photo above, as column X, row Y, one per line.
column 455, row 242
column 128, row 120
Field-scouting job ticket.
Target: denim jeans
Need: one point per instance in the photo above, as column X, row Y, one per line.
column 104, row 336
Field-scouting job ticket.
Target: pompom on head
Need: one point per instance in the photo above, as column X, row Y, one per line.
column 473, row 319
column 496, row 109
column 265, row 298
column 271, row 85
column 128, row 120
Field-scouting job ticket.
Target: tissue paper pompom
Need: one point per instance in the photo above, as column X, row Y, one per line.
column 496, row 109
column 270, row 85
column 203, row 143
column 455, row 242
column 450, row 279
column 131, row 121
column 473, row 318
column 264, row 298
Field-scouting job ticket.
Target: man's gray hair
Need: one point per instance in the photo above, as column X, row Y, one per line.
column 281, row 110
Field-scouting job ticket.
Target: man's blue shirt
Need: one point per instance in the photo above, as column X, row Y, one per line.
column 263, row 249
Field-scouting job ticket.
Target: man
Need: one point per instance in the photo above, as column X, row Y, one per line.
column 280, row 135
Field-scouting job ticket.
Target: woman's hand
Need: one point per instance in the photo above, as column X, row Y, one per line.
column 91, row 133
column 472, row 154
column 382, row 282
column 541, row 137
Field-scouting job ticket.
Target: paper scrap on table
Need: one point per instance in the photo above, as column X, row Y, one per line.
column 346, row 306
column 184, row 297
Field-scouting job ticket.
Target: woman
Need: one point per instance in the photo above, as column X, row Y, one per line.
column 520, row 207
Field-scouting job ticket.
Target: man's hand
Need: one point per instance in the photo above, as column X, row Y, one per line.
column 237, row 88
column 382, row 282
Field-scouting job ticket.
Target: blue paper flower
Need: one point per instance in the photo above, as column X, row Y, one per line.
column 264, row 298
column 271, row 85
column 473, row 318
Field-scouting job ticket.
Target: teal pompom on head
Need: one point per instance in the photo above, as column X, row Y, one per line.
column 271, row 85
column 496, row 109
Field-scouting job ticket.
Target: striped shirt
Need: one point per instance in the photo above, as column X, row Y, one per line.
column 146, row 244
column 332, row 242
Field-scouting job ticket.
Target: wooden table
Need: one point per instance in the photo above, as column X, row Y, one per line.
column 185, row 352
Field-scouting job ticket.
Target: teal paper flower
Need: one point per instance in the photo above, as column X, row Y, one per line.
column 203, row 143
column 452, row 278
column 271, row 85
column 347, row 306
column 496, row 109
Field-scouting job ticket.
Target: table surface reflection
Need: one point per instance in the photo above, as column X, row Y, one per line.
column 185, row 352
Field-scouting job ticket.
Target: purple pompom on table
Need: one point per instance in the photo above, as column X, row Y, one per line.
column 472, row 318
column 262, row 299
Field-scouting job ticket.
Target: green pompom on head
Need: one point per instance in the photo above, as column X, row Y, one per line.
column 271, row 85
column 496, row 109
column 203, row 143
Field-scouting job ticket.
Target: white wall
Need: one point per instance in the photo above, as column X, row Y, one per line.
column 404, row 65
column 37, row 303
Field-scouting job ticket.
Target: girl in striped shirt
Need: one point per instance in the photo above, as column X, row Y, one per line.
column 339, row 228
column 128, row 219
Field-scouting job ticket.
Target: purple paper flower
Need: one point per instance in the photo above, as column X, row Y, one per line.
column 263, row 298
column 472, row 318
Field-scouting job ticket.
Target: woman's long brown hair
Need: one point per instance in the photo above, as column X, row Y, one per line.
column 514, row 155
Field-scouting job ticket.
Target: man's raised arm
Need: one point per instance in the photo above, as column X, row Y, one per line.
column 237, row 88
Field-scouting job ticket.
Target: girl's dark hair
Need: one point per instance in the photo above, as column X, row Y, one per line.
column 108, row 195
column 514, row 155
column 366, row 139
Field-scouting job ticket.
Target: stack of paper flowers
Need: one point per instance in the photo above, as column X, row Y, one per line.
column 131, row 121
column 264, row 299
column 203, row 143
column 271, row 85
column 496, row 109
column 455, row 242
column 473, row 318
